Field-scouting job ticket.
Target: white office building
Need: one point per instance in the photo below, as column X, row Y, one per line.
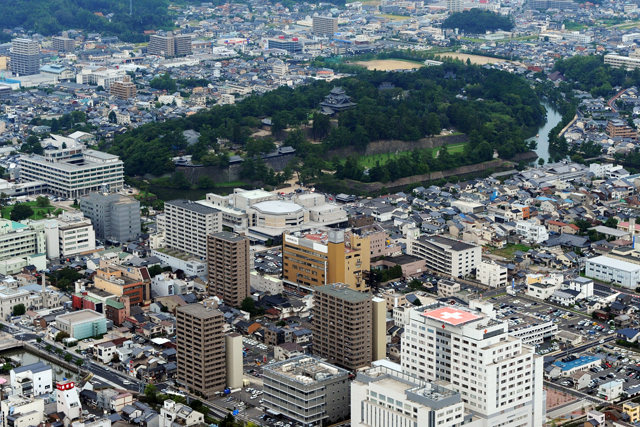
column 69, row 236
column 531, row 231
column 446, row 255
column 498, row 377
column 492, row 274
column 603, row 170
column 32, row 380
column 382, row 396
column 613, row 270
column 73, row 173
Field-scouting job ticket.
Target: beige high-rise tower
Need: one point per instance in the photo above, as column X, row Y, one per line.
column 201, row 349
column 346, row 328
column 228, row 267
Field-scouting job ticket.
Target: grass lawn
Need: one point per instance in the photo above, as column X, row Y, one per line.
column 509, row 250
column 370, row 160
column 38, row 213
column 477, row 40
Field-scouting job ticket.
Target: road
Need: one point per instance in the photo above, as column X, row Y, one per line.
column 102, row 374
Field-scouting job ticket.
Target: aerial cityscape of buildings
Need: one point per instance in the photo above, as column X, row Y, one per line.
column 173, row 256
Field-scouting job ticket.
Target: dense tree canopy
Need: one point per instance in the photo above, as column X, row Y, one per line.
column 496, row 109
column 49, row 17
column 478, row 21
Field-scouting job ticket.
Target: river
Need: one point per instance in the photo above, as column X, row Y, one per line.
column 27, row 358
column 553, row 118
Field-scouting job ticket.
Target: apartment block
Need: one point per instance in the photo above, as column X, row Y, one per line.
column 307, row 390
column 74, row 173
column 382, row 393
column 498, row 376
column 446, row 255
column 343, row 326
column 201, row 350
column 187, row 225
column 318, row 257
column 492, row 274
column 324, row 25
column 113, row 216
column 620, row 128
column 63, row 44
column 124, row 89
column 182, row 44
column 25, row 57
column 228, row 267
column 170, row 45
column 161, row 45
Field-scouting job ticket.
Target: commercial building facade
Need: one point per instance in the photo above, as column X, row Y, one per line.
column 25, row 57
column 113, row 216
column 343, row 321
column 320, row 257
column 307, row 390
column 187, row 225
column 74, row 173
column 228, row 267
column 132, row 282
column 446, row 255
column 82, row 324
column 201, row 350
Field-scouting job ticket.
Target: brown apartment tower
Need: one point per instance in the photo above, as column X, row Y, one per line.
column 201, row 350
column 344, row 328
column 228, row 266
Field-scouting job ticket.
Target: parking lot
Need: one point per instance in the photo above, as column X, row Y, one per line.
column 520, row 311
column 255, row 355
column 269, row 262
column 617, row 364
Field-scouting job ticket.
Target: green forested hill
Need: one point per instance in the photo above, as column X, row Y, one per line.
column 49, row 17
column 494, row 108
column 477, row 21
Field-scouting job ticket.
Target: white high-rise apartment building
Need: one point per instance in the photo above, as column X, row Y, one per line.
column 498, row 377
column 187, row 225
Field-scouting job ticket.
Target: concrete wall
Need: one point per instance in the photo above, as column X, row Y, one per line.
column 376, row 186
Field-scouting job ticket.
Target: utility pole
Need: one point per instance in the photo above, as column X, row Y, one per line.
column 130, row 7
